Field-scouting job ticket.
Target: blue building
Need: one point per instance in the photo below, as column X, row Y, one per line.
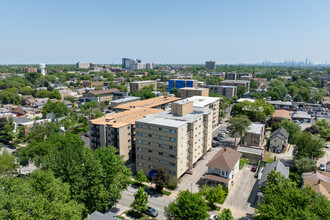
column 181, row 83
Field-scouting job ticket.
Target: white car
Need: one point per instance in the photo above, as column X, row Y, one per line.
column 213, row 217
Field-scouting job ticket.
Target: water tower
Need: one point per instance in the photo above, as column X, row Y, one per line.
column 43, row 68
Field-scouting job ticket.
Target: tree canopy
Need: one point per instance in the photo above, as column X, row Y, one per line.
column 59, row 109
column 187, row 206
column 140, row 202
column 284, row 200
column 256, row 111
column 308, row 145
column 238, row 126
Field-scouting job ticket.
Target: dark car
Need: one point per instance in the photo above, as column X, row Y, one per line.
column 217, row 138
column 215, row 144
column 254, row 169
column 149, row 191
column 151, row 212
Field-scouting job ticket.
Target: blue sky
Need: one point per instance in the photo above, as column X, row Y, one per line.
column 171, row 31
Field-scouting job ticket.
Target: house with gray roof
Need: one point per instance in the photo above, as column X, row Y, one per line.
column 277, row 166
column 278, row 140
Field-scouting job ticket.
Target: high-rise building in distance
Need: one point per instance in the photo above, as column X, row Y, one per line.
column 210, row 65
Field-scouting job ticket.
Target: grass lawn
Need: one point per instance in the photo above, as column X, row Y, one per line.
column 166, row 193
column 138, row 184
column 268, row 157
column 242, row 162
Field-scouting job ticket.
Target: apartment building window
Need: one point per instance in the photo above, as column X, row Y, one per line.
column 139, row 156
column 172, row 156
column 128, row 127
column 149, row 135
column 172, row 139
column 149, row 127
column 150, row 151
column 160, row 145
column 139, row 133
column 160, row 137
column 150, row 143
column 172, row 131
column 151, row 167
column 161, row 161
column 139, row 141
column 172, row 148
column 139, row 148
column 171, row 172
column 160, row 129
column 171, row 164
column 129, row 140
column 160, row 153
column 139, row 125
column 140, row 164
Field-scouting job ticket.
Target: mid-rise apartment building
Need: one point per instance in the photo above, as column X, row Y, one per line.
column 88, row 83
column 189, row 92
column 230, row 76
column 212, row 103
column 126, row 100
column 210, row 65
column 255, row 135
column 118, row 130
column 82, row 65
column 226, row 91
column 181, row 83
column 236, row 83
column 173, row 140
column 102, row 95
column 141, row 84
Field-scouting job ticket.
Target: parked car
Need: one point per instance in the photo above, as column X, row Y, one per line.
column 151, row 212
column 322, row 167
column 213, row 217
column 327, row 146
column 215, row 144
column 217, row 138
column 254, row 168
column 149, row 191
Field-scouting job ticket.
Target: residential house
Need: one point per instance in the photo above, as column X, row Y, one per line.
column 278, row 140
column 19, row 112
column 277, row 166
column 223, row 167
column 255, row 135
column 320, row 183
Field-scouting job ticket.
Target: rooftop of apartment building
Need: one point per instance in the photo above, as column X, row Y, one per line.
column 234, row 81
column 166, row 118
column 221, row 86
column 127, row 99
column 149, row 103
column 146, row 81
column 193, row 88
column 256, row 128
column 101, row 92
column 125, row 118
column 202, row 101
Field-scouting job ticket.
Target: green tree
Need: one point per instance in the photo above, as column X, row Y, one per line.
column 7, row 133
column 55, row 94
column 7, row 163
column 291, row 127
column 256, row 111
column 70, row 99
column 324, row 128
column 140, row 202
column 59, row 109
column 238, row 126
column 26, row 90
column 175, row 92
column 308, row 145
column 41, row 196
column 293, row 90
column 253, row 84
column 43, row 94
column 187, row 206
column 140, row 177
column 240, row 91
column 10, row 96
column 283, row 200
column 225, row 215
column 305, row 164
column 213, row 194
column 160, row 179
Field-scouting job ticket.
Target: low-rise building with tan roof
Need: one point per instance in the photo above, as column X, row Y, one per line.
column 320, row 183
column 280, row 115
column 118, row 130
column 157, row 102
column 102, row 95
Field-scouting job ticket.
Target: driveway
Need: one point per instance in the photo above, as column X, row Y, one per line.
column 242, row 196
column 325, row 158
column 156, row 201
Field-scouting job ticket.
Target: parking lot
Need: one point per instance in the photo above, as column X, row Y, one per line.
column 243, row 194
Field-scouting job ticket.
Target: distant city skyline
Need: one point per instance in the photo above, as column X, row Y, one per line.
column 164, row 32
